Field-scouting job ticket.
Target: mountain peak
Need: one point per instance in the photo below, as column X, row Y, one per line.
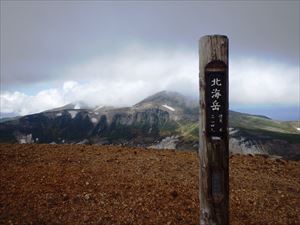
column 72, row 105
column 171, row 98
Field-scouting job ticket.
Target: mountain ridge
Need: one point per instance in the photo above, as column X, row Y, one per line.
column 163, row 120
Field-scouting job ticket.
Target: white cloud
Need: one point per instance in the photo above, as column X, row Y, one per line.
column 23, row 104
column 69, row 86
column 137, row 72
column 253, row 81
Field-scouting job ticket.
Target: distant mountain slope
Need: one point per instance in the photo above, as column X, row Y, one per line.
column 5, row 119
column 260, row 122
column 163, row 120
column 74, row 105
column 173, row 99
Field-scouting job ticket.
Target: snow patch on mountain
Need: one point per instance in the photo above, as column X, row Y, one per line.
column 94, row 120
column 77, row 106
column 58, row 114
column 232, row 130
column 84, row 141
column 73, row 113
column 169, row 107
column 99, row 107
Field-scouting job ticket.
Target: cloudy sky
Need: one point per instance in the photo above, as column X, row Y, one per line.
column 117, row 53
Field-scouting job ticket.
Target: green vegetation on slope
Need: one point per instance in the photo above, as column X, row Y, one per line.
column 260, row 123
column 189, row 131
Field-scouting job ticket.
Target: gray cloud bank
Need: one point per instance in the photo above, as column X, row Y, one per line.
column 138, row 72
column 119, row 52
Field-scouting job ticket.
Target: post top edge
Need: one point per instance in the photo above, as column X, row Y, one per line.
column 214, row 36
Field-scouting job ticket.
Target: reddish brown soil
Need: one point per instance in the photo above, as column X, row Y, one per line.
column 79, row 184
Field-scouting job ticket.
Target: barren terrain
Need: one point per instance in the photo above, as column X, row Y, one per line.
column 82, row 184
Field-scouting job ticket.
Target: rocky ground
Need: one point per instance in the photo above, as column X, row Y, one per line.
column 81, row 184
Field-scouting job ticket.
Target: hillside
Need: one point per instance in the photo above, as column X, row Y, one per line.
column 165, row 120
column 82, row 184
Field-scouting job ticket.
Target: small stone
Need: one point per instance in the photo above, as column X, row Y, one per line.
column 65, row 197
column 87, row 196
column 174, row 194
column 85, row 218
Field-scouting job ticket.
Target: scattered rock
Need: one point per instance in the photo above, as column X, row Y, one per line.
column 174, row 194
column 87, row 196
column 65, row 197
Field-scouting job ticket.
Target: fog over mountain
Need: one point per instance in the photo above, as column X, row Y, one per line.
column 117, row 53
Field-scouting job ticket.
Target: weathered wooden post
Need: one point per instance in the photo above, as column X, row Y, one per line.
column 213, row 147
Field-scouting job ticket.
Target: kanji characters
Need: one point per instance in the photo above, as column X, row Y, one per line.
column 215, row 105
column 216, row 93
column 220, row 118
column 216, row 82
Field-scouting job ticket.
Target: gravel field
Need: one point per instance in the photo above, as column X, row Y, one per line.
column 86, row 184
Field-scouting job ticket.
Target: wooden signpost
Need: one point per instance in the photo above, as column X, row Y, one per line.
column 213, row 147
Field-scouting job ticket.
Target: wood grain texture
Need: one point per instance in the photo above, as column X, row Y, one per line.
column 213, row 155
